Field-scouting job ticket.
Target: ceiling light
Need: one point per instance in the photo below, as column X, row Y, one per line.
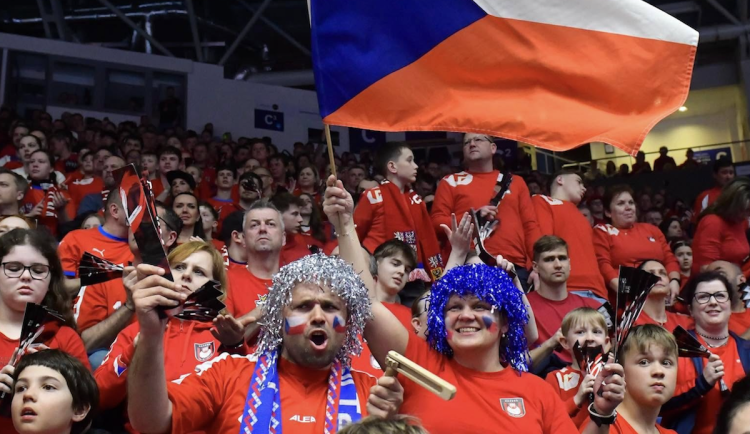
column 683, row 109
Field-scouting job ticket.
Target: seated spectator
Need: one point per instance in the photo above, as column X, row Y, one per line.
column 684, row 255
column 103, row 310
column 626, row 242
column 653, row 216
column 654, row 310
column 180, row 182
column 277, row 166
column 588, row 328
column 734, row 416
column 739, row 321
column 169, row 160
column 355, row 175
column 664, row 161
column 71, row 406
column 269, row 188
column 251, row 189
column 672, row 229
column 551, row 301
column 308, row 181
column 10, row 222
column 224, row 202
column 185, row 205
column 296, row 245
column 45, row 200
column 32, row 274
column 259, row 152
column 95, row 201
column 419, row 314
column 312, row 223
column 92, row 221
column 12, row 191
column 233, row 238
column 701, row 384
column 723, row 175
column 66, row 162
column 209, row 217
column 84, row 182
column 193, row 264
column 150, row 163
column 586, row 212
column 720, row 234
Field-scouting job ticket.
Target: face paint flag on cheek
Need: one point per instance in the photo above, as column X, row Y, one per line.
column 295, row 325
column 489, row 323
column 339, row 324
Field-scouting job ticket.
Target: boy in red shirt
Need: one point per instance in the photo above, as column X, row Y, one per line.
column 296, row 245
column 649, row 358
column 301, row 381
column 83, row 182
column 223, row 202
column 393, row 210
column 589, row 328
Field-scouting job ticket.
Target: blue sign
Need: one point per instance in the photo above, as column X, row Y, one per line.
column 711, row 155
column 365, row 139
column 268, row 120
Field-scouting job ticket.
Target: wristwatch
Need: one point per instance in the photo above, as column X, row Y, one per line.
column 600, row 420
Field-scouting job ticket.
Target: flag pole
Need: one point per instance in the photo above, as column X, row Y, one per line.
column 331, row 160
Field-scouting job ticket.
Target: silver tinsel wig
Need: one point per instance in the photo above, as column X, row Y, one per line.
column 322, row 270
column 492, row 285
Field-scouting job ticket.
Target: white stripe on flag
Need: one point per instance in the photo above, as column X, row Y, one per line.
column 624, row 17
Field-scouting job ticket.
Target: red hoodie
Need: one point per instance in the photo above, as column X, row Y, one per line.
column 187, row 344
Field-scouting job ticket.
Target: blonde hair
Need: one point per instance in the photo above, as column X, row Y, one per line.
column 643, row 336
column 184, row 251
column 582, row 315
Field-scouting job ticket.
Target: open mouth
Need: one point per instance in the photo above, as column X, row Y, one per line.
column 465, row 330
column 319, row 340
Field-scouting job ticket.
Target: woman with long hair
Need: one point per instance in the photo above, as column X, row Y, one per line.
column 476, row 342
column 45, row 200
column 210, row 221
column 185, row 205
column 627, row 242
column 308, row 181
column 188, row 343
column 31, row 273
column 312, row 224
column 720, row 234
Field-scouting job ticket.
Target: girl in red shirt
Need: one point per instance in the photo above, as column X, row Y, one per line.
column 627, row 242
column 721, row 227
column 30, row 272
column 45, row 200
column 476, row 339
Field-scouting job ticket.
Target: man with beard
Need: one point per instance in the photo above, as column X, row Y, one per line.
column 301, row 380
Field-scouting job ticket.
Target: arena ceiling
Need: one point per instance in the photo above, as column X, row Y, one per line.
column 254, row 38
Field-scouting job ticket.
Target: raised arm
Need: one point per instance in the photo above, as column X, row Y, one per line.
column 384, row 332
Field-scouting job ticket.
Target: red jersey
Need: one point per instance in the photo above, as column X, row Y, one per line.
column 710, row 403
column 366, row 362
column 80, row 188
column 245, row 290
column 706, row 198
column 673, row 320
column 66, row 339
column 550, row 313
column 562, row 218
column 621, row 426
column 296, row 247
column 514, row 238
column 739, row 322
column 717, row 239
column 517, row 402
column 566, row 382
column 96, row 241
column 630, row 247
column 49, row 215
column 68, row 165
column 224, row 207
column 214, row 399
column 187, row 344
column 97, row 302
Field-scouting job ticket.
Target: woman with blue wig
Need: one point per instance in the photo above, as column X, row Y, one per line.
column 475, row 340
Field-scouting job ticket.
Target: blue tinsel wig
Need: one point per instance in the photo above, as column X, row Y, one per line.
column 491, row 285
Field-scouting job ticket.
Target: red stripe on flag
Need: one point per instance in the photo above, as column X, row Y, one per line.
column 551, row 86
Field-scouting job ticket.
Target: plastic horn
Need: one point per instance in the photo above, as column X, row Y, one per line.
column 395, row 362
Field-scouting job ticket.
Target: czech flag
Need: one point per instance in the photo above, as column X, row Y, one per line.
column 551, row 73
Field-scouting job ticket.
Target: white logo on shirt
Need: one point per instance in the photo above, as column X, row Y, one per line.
column 303, row 419
column 461, row 178
column 101, row 252
column 375, row 196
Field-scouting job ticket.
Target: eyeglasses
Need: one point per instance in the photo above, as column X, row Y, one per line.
column 16, row 269
column 479, row 139
column 705, row 297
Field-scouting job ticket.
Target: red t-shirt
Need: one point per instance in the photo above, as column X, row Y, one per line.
column 518, row 230
column 296, row 247
column 706, row 198
column 81, row 188
column 673, row 320
column 716, row 239
column 621, row 426
column 224, row 208
column 97, row 302
column 49, row 215
column 214, row 399
column 566, row 382
column 630, row 247
column 245, row 290
column 66, row 339
column 710, row 403
column 562, row 218
column 96, row 241
column 366, row 362
column 739, row 322
column 550, row 313
column 484, row 401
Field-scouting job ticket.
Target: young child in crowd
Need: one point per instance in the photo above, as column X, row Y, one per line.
column 589, row 328
column 54, row 393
